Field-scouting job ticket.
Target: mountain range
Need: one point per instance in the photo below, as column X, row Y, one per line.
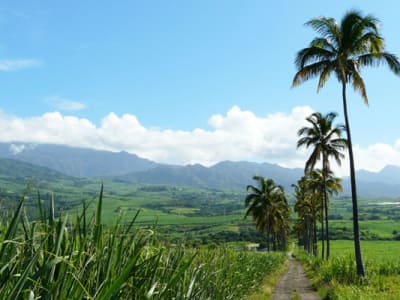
column 129, row 168
column 78, row 162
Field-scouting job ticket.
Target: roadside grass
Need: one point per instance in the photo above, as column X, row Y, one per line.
column 265, row 290
column 337, row 278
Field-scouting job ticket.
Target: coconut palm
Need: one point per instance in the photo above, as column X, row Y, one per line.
column 342, row 49
column 268, row 206
column 324, row 183
column 326, row 140
column 307, row 209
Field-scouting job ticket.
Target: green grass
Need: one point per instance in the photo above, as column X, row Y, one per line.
column 380, row 251
column 382, row 264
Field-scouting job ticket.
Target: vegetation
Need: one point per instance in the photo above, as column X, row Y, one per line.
column 161, row 242
column 80, row 258
column 326, row 142
column 338, row 279
column 309, row 206
column 270, row 210
column 342, row 49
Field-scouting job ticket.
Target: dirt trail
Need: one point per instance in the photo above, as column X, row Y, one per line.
column 294, row 283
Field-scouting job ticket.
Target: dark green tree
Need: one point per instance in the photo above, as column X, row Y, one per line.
column 267, row 203
column 307, row 208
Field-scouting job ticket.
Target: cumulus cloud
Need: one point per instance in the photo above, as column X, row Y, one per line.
column 8, row 65
column 237, row 135
column 64, row 104
column 375, row 157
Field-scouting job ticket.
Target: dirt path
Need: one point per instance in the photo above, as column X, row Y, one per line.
column 294, row 284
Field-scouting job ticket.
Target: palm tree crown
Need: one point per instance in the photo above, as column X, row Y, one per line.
column 343, row 49
column 325, row 139
column 267, row 204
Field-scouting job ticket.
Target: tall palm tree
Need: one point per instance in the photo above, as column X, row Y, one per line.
column 326, row 140
column 343, row 49
column 268, row 206
column 320, row 183
column 306, row 208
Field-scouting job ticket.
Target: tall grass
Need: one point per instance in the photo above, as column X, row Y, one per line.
column 77, row 257
column 339, row 274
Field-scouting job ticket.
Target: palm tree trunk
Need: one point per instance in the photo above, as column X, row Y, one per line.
column 315, row 245
column 325, row 206
column 322, row 229
column 356, row 229
column 328, row 248
column 310, row 237
column 307, row 236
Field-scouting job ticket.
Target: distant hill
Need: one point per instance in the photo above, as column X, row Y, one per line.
column 76, row 162
column 128, row 168
column 236, row 175
column 17, row 169
column 388, row 175
column 385, row 183
column 16, row 175
column 227, row 174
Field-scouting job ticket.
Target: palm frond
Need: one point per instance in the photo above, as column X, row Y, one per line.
column 359, row 85
column 376, row 59
column 326, row 27
column 312, row 55
column 325, row 74
column 309, row 72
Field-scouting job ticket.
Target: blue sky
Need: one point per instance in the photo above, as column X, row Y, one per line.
column 170, row 66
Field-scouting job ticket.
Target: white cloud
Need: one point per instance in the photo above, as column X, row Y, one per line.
column 16, row 149
column 64, row 104
column 375, row 157
column 238, row 135
column 8, row 65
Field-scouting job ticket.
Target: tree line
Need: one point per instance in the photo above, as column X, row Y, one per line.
column 340, row 49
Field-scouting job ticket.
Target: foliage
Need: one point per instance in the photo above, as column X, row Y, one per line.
column 326, row 141
column 268, row 206
column 340, row 275
column 309, row 207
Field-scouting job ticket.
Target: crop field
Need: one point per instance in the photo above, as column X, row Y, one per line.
column 373, row 251
column 80, row 258
column 196, row 215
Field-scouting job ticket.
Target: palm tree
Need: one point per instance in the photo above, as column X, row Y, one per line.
column 320, row 183
column 343, row 49
column 327, row 142
column 306, row 207
column 268, row 206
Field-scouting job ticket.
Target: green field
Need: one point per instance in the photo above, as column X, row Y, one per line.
column 196, row 215
column 380, row 251
column 203, row 218
column 337, row 277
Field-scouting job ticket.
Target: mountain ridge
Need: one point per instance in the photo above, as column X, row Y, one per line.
column 130, row 168
column 77, row 162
